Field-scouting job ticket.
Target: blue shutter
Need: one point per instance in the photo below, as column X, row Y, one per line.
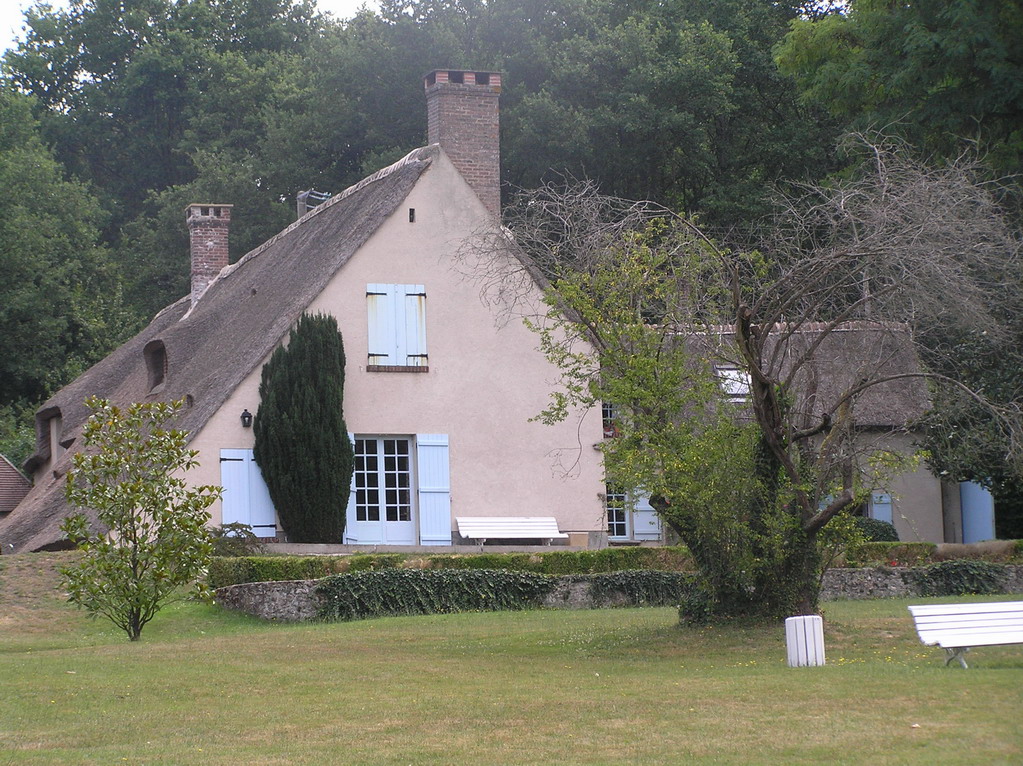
column 246, row 500
column 234, row 502
column 978, row 510
column 380, row 303
column 881, row 506
column 350, row 513
column 413, row 325
column 646, row 524
column 434, row 479
column 262, row 516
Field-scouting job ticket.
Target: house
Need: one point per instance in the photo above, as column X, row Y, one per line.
column 440, row 385
column 13, row 486
column 823, row 363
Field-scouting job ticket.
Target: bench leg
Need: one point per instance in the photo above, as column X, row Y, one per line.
column 957, row 654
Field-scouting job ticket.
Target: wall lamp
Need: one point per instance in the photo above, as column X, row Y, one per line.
column 246, row 419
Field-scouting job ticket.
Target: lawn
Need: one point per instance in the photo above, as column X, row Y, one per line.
column 543, row 687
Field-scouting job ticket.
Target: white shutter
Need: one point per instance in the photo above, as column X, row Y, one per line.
column 413, row 323
column 434, row 476
column 380, row 306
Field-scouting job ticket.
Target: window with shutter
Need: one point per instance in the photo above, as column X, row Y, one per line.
column 397, row 328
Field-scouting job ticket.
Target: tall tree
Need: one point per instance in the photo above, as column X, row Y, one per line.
column 302, row 444
column 937, row 71
column 675, row 330
column 60, row 302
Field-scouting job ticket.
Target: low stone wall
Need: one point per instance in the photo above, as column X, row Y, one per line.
column 892, row 582
column 287, row 601
column 296, row 600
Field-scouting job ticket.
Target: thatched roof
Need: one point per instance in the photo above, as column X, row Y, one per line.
column 825, row 362
column 211, row 347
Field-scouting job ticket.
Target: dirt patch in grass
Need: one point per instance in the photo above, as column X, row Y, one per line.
column 32, row 601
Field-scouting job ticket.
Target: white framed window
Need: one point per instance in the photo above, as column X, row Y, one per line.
column 383, row 479
column 734, row 382
column 609, row 417
column 397, row 327
column 401, row 491
column 617, row 513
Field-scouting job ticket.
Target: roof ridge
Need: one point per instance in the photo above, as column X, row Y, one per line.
column 424, row 154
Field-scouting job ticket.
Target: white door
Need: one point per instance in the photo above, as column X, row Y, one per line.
column 246, row 500
column 381, row 510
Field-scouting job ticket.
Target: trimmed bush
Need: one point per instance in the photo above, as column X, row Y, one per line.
column 410, row 591
column 225, row 572
column 892, row 554
column 959, row 577
column 876, row 530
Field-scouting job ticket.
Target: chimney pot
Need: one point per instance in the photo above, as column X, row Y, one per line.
column 463, row 117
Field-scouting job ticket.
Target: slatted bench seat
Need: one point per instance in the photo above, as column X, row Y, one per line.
column 483, row 528
column 957, row 627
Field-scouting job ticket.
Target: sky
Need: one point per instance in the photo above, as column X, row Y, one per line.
column 12, row 14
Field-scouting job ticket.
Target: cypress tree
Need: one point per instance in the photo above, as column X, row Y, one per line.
column 302, row 445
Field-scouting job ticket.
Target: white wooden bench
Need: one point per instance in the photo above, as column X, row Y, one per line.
column 957, row 627
column 483, row 528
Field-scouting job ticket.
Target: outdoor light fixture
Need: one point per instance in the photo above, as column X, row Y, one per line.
column 246, row 419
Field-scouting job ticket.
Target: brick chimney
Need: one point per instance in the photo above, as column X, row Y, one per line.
column 463, row 117
column 208, row 227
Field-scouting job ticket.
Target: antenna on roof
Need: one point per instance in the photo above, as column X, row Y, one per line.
column 307, row 200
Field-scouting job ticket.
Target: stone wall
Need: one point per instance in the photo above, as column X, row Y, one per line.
column 288, row 601
column 296, row 600
column 892, row 582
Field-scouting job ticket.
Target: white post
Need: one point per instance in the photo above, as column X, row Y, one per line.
column 804, row 640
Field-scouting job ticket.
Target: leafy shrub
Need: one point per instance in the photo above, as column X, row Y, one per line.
column 956, row 578
column 893, row 554
column 409, row 591
column 235, row 539
column 876, row 530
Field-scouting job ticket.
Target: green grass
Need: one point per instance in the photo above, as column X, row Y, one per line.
column 545, row 687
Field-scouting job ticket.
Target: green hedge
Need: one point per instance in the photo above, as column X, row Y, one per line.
column 413, row 591
column 233, row 571
column 891, row 554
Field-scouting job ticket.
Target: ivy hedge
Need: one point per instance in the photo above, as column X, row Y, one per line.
column 961, row 576
column 243, row 569
column 391, row 592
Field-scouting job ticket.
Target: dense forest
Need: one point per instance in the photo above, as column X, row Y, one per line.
column 116, row 114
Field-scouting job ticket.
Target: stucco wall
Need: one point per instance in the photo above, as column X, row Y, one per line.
column 916, row 496
column 486, row 378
